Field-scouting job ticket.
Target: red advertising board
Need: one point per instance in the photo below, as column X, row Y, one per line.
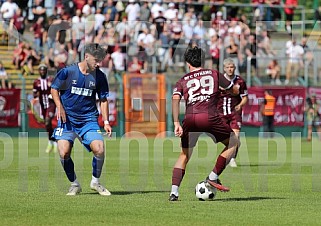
column 289, row 109
column 9, row 107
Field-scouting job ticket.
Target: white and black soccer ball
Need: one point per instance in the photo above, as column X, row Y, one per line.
column 203, row 193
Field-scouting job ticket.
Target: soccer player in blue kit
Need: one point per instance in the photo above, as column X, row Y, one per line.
column 74, row 93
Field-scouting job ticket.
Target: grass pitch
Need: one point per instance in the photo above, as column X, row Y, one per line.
column 277, row 182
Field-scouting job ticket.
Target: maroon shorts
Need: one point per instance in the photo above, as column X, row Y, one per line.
column 234, row 120
column 196, row 124
column 50, row 111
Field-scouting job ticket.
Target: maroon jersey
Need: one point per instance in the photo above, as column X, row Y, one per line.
column 227, row 102
column 41, row 88
column 200, row 90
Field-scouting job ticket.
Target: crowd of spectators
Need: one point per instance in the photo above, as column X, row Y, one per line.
column 135, row 33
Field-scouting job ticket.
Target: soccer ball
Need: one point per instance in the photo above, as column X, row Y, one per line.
column 203, row 193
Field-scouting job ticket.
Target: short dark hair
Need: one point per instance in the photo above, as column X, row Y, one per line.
column 195, row 56
column 95, row 50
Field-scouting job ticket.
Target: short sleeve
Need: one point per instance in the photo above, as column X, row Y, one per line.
column 103, row 87
column 59, row 82
column 178, row 88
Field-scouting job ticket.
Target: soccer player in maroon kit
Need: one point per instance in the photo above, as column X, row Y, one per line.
column 200, row 89
column 41, row 90
column 229, row 105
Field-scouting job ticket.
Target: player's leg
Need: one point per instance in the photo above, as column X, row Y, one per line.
column 223, row 159
column 179, row 171
column 232, row 161
column 65, row 138
column 188, row 142
column 49, row 114
column 94, row 142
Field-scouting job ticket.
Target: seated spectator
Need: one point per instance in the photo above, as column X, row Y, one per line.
column 273, row 71
column 5, row 82
column 134, row 66
column 19, row 55
column 32, row 59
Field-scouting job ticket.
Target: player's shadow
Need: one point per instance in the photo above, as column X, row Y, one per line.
column 246, row 199
column 136, row 192
column 125, row 192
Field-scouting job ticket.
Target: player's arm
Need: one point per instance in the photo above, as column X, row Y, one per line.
column 176, row 99
column 57, row 85
column 242, row 103
column 35, row 90
column 104, row 108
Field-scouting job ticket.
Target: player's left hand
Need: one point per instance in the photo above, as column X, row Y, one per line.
column 238, row 108
column 108, row 129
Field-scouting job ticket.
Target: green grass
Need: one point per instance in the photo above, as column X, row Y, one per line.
column 270, row 186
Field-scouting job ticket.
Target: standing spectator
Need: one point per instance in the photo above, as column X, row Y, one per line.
column 317, row 14
column 201, row 116
column 7, row 11
column 132, row 11
column 4, row 79
column 230, row 106
column 38, row 30
column 273, row 71
column 134, row 66
column 159, row 21
column 111, row 10
column 144, row 14
column 156, row 7
column 39, row 10
column 289, row 8
column 308, row 54
column 273, row 14
column 295, row 61
column 74, row 91
column 267, row 111
column 171, row 12
column 18, row 22
column 250, row 52
column 117, row 62
column 41, row 91
column 313, row 116
column 215, row 48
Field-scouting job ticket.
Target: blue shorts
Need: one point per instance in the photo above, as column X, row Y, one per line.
column 86, row 132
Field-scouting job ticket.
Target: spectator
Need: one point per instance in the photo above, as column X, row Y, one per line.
column 117, row 62
column 159, row 21
column 5, row 82
column 111, row 10
column 264, row 44
column 313, row 116
column 156, row 7
column 7, row 11
column 273, row 14
column 18, row 22
column 267, row 111
column 295, row 61
column 144, row 14
column 215, row 49
column 171, row 12
column 289, row 12
column 250, row 51
column 273, row 71
column 134, row 66
column 308, row 54
column 39, row 10
column 132, row 10
column 38, row 30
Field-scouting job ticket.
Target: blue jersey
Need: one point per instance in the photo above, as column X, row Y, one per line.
column 78, row 92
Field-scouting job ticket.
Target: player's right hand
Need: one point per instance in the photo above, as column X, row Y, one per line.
column 61, row 114
column 178, row 130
